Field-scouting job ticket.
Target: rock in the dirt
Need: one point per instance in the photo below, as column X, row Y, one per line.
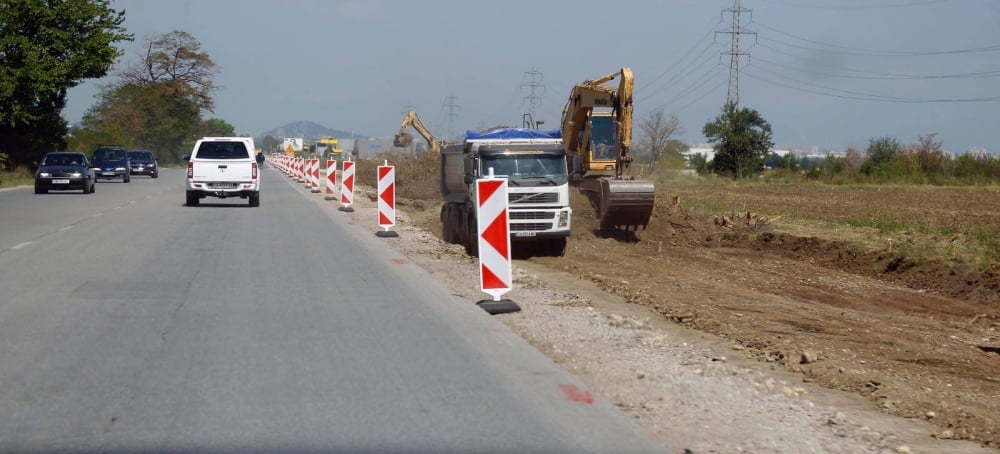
column 808, row 356
column 903, row 450
column 930, row 415
column 945, row 434
column 640, row 375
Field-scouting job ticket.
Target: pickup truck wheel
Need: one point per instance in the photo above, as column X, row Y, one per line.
column 192, row 199
column 255, row 199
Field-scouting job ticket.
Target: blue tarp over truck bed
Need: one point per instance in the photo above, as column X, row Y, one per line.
column 514, row 133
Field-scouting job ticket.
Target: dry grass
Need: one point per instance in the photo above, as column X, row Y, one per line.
column 20, row 176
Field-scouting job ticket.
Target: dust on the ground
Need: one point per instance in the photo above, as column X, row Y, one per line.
column 799, row 306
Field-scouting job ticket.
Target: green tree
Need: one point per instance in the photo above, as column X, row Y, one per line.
column 46, row 48
column 881, row 154
column 742, row 139
column 158, row 102
column 217, row 127
column 700, row 163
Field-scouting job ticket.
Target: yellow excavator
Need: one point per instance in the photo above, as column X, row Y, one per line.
column 597, row 134
column 404, row 139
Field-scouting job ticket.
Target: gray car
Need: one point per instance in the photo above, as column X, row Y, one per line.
column 61, row 171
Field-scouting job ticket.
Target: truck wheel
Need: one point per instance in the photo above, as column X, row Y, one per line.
column 472, row 238
column 192, row 199
column 255, row 199
column 557, row 247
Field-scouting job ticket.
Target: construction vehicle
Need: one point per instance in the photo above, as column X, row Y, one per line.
column 404, row 139
column 534, row 162
column 328, row 145
column 597, row 134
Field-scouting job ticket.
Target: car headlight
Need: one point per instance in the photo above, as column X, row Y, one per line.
column 43, row 174
column 76, row 174
column 120, row 169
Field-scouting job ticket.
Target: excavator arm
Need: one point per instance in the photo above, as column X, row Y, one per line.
column 403, row 138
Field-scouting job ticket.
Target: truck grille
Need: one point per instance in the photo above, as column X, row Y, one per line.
column 532, row 197
column 530, row 226
column 526, row 215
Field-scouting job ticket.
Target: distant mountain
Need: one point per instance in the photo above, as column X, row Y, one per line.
column 307, row 130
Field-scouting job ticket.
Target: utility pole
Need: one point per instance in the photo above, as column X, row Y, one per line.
column 532, row 80
column 735, row 52
column 452, row 108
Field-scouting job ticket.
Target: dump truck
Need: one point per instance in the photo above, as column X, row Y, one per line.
column 534, row 162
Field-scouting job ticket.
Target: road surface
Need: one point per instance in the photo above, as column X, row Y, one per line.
column 129, row 321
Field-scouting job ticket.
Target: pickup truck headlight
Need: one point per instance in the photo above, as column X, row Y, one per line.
column 563, row 218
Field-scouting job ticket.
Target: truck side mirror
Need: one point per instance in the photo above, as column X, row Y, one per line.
column 470, row 166
column 575, row 177
column 469, row 179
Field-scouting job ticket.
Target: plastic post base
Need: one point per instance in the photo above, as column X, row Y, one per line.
column 346, row 209
column 503, row 306
column 386, row 234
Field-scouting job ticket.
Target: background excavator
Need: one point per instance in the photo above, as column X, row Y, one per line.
column 597, row 134
column 404, row 139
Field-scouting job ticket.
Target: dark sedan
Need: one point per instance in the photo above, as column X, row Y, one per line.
column 61, row 171
column 143, row 163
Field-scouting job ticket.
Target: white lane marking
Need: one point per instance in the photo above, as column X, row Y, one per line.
column 65, row 228
column 21, row 246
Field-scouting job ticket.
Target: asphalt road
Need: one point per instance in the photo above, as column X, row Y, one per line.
column 130, row 322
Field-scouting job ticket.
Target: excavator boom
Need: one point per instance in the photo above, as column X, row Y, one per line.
column 404, row 139
column 597, row 130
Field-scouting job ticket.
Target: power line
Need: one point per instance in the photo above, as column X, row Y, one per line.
column 864, row 96
column 886, row 76
column 735, row 52
column 677, row 78
column 868, row 4
column 678, row 63
column 863, row 52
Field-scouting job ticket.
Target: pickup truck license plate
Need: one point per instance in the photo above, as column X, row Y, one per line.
column 524, row 234
column 60, row 181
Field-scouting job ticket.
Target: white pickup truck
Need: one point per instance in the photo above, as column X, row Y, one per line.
column 223, row 167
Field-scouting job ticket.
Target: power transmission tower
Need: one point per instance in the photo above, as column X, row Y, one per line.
column 735, row 52
column 533, row 81
column 452, row 107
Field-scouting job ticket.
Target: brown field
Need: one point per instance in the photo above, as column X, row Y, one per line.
column 889, row 292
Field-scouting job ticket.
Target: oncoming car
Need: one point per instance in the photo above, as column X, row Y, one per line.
column 110, row 163
column 143, row 162
column 62, row 171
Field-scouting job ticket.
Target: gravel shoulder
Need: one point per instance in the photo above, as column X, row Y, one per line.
column 695, row 391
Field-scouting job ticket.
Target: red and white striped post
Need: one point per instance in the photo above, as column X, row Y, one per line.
column 331, row 178
column 386, row 200
column 493, row 225
column 308, row 173
column 300, row 166
column 314, row 178
column 347, row 187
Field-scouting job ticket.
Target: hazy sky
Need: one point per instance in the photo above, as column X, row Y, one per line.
column 355, row 65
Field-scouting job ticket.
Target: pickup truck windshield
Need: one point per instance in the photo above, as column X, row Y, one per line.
column 222, row 150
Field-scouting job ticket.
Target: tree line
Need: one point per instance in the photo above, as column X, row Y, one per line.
column 160, row 101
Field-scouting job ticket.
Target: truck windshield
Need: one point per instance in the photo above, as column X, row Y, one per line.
column 602, row 136
column 526, row 166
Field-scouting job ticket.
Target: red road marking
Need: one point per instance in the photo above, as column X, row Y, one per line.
column 576, row 394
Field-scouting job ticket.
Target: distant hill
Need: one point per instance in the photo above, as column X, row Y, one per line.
column 307, row 130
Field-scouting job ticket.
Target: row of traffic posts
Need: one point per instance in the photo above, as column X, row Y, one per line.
column 495, row 271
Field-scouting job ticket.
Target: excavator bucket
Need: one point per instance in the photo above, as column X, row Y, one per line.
column 403, row 139
column 625, row 204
